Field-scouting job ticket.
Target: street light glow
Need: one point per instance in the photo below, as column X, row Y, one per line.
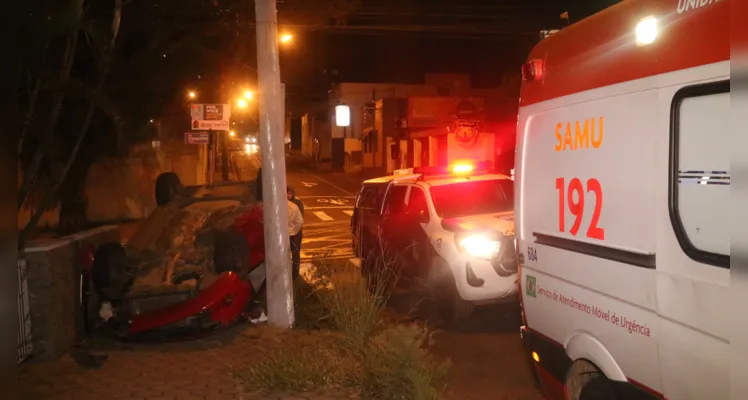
column 248, row 94
column 232, row 133
column 241, row 103
column 192, row 94
column 286, row 38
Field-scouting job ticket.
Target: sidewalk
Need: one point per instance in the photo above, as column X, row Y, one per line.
column 202, row 369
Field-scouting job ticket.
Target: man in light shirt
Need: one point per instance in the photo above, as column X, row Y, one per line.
column 295, row 223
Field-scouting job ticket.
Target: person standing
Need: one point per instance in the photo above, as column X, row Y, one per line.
column 295, row 224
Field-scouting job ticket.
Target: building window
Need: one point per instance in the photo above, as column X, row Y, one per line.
column 700, row 172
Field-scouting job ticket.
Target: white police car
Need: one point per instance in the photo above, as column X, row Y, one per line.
column 451, row 230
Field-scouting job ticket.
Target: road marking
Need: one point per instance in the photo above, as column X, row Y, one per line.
column 322, row 215
column 308, row 184
column 334, row 185
column 348, row 212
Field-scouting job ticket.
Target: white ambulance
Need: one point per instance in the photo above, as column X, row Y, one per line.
column 623, row 180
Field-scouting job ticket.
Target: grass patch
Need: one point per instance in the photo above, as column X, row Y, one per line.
column 352, row 345
column 298, row 363
column 397, row 365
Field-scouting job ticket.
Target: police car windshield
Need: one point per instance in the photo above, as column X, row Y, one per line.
column 473, row 198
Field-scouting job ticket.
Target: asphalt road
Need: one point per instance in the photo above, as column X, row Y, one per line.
column 488, row 361
column 328, row 201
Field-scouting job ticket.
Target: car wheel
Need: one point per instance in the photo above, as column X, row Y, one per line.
column 168, row 187
column 110, row 271
column 453, row 310
column 230, row 252
column 598, row 389
column 369, row 268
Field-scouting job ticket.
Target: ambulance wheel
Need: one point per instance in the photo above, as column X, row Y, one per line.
column 453, row 310
column 598, row 389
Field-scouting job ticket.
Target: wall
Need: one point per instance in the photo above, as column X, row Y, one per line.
column 123, row 188
column 132, row 196
column 53, row 270
column 357, row 95
column 482, row 149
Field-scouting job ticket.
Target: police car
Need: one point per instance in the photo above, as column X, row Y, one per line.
column 449, row 230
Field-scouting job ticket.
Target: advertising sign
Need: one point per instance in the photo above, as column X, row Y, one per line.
column 210, row 116
column 196, row 137
column 433, row 112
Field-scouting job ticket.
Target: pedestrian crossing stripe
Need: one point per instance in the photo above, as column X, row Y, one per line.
column 348, row 212
column 322, row 215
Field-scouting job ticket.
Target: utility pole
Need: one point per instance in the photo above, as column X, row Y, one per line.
column 274, row 201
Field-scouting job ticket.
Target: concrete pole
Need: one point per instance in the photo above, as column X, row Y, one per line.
column 277, row 249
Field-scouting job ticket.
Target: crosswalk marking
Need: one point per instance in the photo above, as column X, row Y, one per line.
column 348, row 212
column 322, row 215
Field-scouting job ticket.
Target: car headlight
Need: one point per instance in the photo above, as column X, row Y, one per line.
column 478, row 245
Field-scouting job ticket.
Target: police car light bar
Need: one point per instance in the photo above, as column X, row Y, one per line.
column 460, row 168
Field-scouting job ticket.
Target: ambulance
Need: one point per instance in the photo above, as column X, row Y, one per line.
column 622, row 184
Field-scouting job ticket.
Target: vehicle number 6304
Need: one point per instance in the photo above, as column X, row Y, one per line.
column 577, row 190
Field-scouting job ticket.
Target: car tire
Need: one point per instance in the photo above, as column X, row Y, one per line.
column 110, row 271
column 599, row 388
column 369, row 267
column 452, row 309
column 168, row 187
column 230, row 252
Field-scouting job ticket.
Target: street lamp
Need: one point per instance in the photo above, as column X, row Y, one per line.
column 232, row 133
column 191, row 94
column 241, row 103
column 286, row 38
column 248, row 94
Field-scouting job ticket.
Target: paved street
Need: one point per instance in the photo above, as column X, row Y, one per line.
column 328, row 199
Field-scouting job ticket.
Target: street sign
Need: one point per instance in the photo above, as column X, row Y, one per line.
column 196, row 137
column 210, row 116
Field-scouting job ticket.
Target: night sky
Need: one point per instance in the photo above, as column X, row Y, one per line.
column 401, row 40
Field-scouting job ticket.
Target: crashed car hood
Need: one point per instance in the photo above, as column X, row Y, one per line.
column 499, row 222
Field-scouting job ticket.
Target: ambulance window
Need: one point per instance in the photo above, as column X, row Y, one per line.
column 700, row 172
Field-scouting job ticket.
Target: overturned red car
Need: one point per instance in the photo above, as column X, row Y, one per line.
column 194, row 266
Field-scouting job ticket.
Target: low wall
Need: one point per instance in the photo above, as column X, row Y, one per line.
column 53, row 270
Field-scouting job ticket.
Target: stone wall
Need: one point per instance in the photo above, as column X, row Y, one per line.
column 121, row 189
column 53, row 270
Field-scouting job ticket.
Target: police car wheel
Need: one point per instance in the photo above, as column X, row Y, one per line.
column 452, row 308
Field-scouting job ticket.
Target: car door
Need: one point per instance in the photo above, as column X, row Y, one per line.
column 393, row 218
column 414, row 239
column 366, row 218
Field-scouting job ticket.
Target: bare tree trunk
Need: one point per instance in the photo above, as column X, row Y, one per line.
column 32, row 105
column 49, row 197
column 67, row 64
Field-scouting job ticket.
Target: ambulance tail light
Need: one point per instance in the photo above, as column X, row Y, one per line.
column 532, row 70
